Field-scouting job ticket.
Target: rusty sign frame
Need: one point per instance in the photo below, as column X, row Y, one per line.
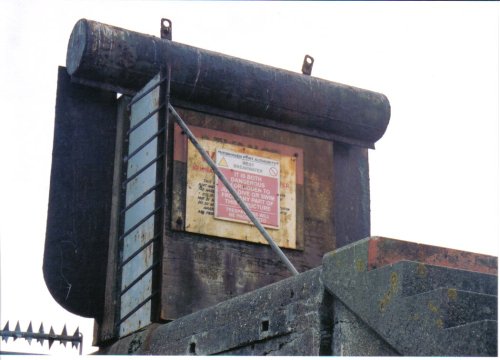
column 199, row 182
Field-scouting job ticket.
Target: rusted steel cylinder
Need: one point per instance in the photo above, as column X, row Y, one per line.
column 125, row 60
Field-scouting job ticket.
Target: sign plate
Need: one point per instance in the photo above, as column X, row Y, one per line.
column 265, row 174
column 256, row 180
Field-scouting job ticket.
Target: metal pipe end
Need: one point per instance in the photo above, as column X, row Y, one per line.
column 76, row 46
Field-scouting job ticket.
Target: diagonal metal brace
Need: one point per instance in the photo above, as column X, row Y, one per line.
column 230, row 188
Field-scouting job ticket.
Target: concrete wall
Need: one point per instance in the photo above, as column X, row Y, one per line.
column 355, row 304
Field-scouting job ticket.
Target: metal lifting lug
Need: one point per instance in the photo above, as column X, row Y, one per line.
column 307, row 65
column 166, row 29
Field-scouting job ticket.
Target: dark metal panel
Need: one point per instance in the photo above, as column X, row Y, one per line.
column 105, row 329
column 125, row 60
column 76, row 242
column 352, row 194
column 200, row 271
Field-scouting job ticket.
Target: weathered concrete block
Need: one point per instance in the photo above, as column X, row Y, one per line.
column 481, row 336
column 419, row 278
column 291, row 317
column 352, row 337
column 415, row 306
column 347, row 307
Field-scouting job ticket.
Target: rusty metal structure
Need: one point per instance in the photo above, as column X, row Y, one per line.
column 135, row 230
column 124, row 61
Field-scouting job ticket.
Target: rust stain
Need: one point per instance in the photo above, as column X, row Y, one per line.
column 180, row 144
column 385, row 251
column 319, row 191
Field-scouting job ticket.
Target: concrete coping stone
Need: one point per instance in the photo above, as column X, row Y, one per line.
column 385, row 251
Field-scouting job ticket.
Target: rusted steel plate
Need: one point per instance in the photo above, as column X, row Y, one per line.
column 384, row 251
column 202, row 215
column 199, row 270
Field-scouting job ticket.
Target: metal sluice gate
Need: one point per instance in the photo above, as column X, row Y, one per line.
column 143, row 201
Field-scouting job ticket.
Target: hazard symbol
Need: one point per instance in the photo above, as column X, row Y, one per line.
column 256, row 179
column 223, row 162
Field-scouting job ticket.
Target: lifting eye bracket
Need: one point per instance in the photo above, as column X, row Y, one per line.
column 166, row 29
column 307, row 65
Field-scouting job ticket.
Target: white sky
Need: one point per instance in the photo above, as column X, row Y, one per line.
column 434, row 174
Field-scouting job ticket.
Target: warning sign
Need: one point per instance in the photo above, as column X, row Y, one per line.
column 256, row 180
column 258, row 169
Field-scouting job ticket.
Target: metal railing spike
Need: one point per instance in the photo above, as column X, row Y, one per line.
column 17, row 331
column 5, row 329
column 51, row 337
column 64, row 335
column 41, row 331
column 29, row 334
column 76, row 338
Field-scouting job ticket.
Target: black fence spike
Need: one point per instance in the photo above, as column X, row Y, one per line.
column 51, row 337
column 76, row 339
column 5, row 329
column 41, row 331
column 17, row 331
column 29, row 334
column 64, row 334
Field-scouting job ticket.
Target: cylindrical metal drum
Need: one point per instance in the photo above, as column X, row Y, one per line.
column 125, row 60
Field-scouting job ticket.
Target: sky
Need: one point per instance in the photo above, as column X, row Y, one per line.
column 434, row 174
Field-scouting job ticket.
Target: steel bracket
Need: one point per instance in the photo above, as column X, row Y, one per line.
column 166, row 29
column 307, row 65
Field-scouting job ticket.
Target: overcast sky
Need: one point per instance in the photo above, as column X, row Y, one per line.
column 434, row 174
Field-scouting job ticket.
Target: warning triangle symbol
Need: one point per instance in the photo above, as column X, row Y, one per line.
column 223, row 162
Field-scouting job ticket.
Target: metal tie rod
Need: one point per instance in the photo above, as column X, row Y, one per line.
column 233, row 192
